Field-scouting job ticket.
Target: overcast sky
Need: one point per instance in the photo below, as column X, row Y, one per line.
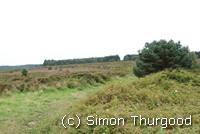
column 34, row 30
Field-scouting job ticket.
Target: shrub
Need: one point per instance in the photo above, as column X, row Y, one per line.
column 24, row 72
column 49, row 68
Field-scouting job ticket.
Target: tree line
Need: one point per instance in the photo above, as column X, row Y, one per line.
column 128, row 57
column 82, row 60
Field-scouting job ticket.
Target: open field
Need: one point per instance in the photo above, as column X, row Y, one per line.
column 37, row 103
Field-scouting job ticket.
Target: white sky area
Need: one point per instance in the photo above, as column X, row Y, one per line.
column 34, row 30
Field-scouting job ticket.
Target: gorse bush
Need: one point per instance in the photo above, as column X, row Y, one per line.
column 170, row 94
column 159, row 55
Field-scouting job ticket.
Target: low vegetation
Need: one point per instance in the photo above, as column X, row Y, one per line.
column 32, row 112
column 68, row 76
column 170, row 94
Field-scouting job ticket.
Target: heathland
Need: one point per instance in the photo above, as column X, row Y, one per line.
column 36, row 103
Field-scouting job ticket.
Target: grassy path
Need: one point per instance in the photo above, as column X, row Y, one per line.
column 29, row 112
